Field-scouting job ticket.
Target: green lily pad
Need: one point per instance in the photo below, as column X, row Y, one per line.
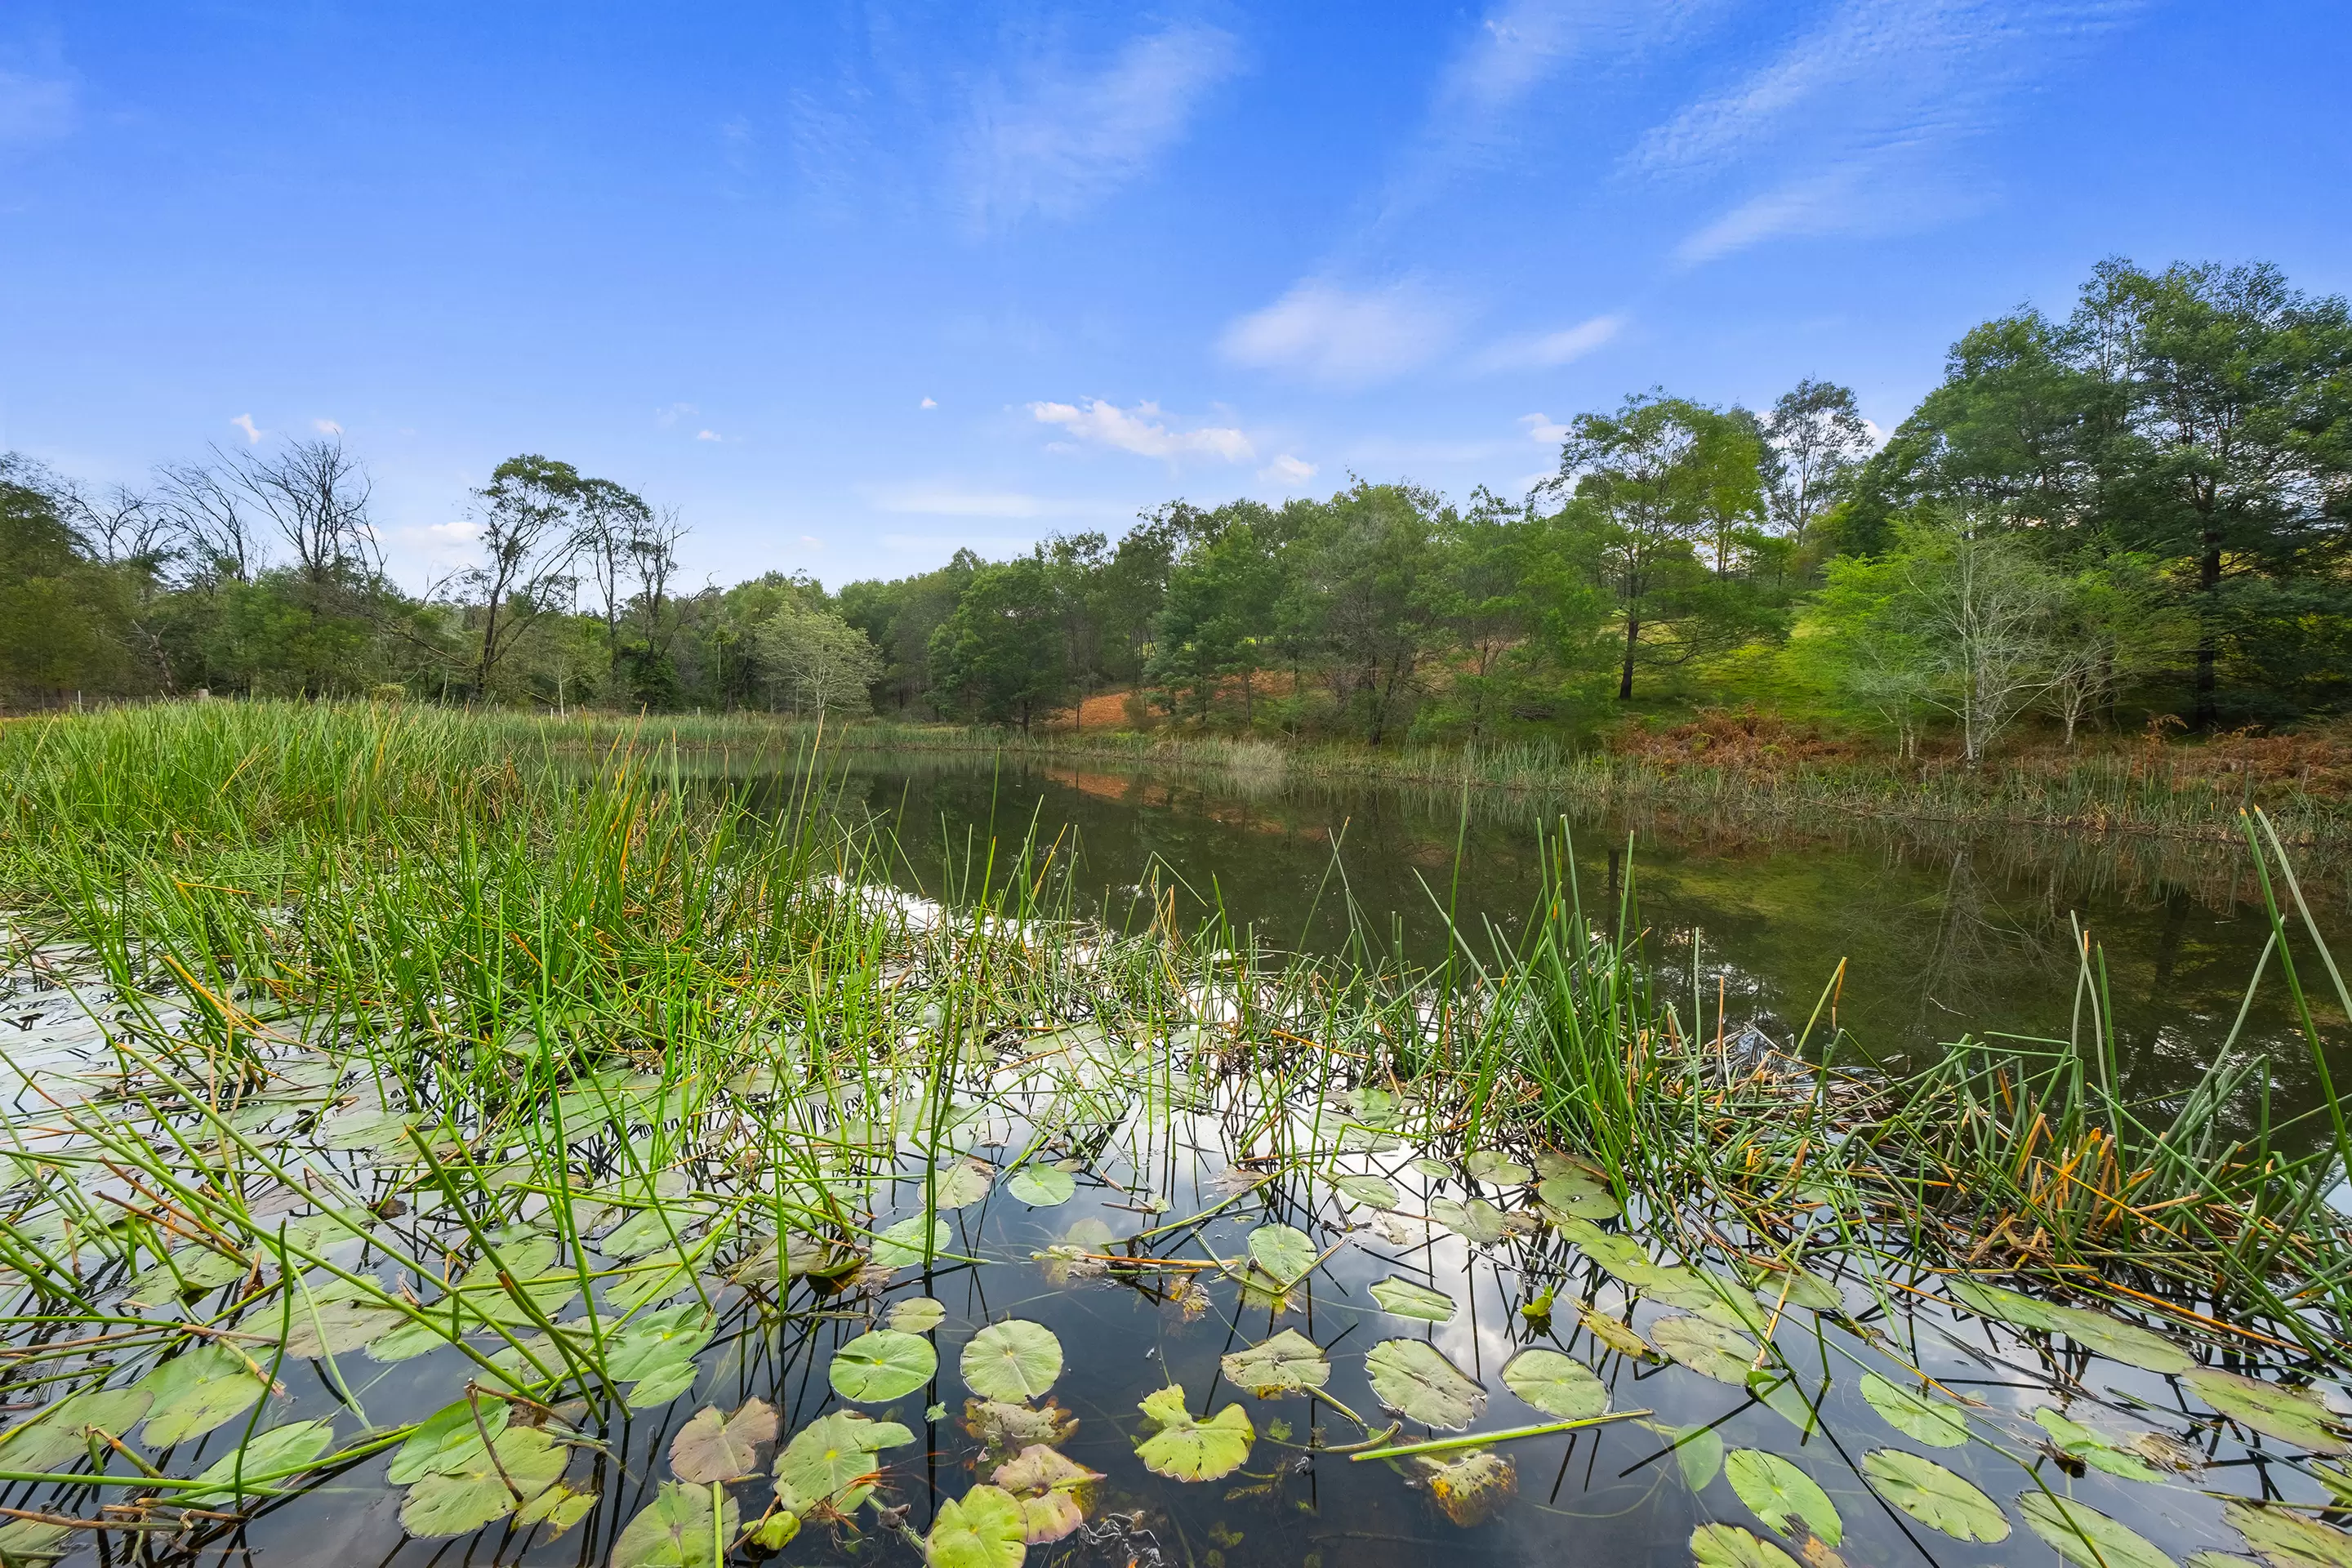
column 559, row 1507
column 660, row 1338
column 1373, row 1192
column 376, row 1131
column 1429, row 1166
column 1619, row 1337
column 464, row 1494
column 410, row 1339
column 1729, row 1546
column 1289, row 1363
column 1494, row 1165
column 962, row 1181
column 649, row 1230
column 1782, row 1496
column 2290, row 1415
column 189, row 1269
column 675, row 1529
column 2093, row 1448
column 1782, row 1287
column 1476, row 1220
column 1184, row 1450
column 1577, row 1191
column 2085, row 1537
column 279, row 1448
column 2119, row 1341
column 2288, row 1539
column 1042, row 1186
column 917, row 1315
column 883, row 1365
column 1011, row 1362
column 335, row 1328
column 910, row 1242
column 985, row 1528
column 1935, row 1495
column 444, row 1435
column 1004, row 1428
column 29, row 1541
column 717, row 1448
column 1710, row 1349
column 832, row 1460
column 1408, row 1299
column 661, row 1386
column 1778, row 1391
column 1935, row 1422
column 56, row 1435
column 1284, row 1253
column 1699, row 1454
column 1556, row 1384
column 1415, row 1380
column 195, row 1391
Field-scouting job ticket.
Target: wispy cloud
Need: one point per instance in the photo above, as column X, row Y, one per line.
column 326, row 428
column 1060, row 139
column 1859, row 115
column 1142, row 431
column 1344, row 337
column 1544, row 350
column 708, row 435
column 1543, row 429
column 1286, row 469
column 253, row 432
column 666, row 417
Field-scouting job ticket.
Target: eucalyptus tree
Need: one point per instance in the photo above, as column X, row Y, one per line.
column 528, row 542
column 1816, row 437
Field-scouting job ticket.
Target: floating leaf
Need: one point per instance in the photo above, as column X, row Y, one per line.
column 1472, row 1486
column 917, row 1315
column 334, row 1328
column 1934, row 1422
column 1184, row 1450
column 55, row 1436
column 1780, row 1288
column 1415, row 1380
column 658, row 1339
column 471, row 1492
column 884, row 1365
column 189, row 1270
column 2085, row 1537
column 1782, row 1495
column 379, row 1131
column 1577, row 1191
column 675, row 1529
column 1289, row 1363
column 1708, row 1348
column 559, row 1507
column 1729, row 1546
column 1477, row 1220
column 2119, row 1341
column 1935, row 1495
column 1699, row 1454
column 2275, row 1410
column 198, row 1391
column 1044, row 1479
column 1373, row 1192
column 910, row 1242
column 649, row 1231
column 1284, row 1253
column 1556, row 1384
column 832, row 1460
column 1407, row 1298
column 1011, row 1362
column 2286, row 1539
column 1619, row 1337
column 2003, row 1305
column 715, row 1447
column 29, row 1541
column 279, row 1448
column 2089, row 1447
column 444, row 1435
column 985, row 1528
column 1494, row 1165
column 1779, row 1393
column 410, row 1339
column 661, row 1386
column 1042, row 1186
column 962, row 1181
column 1006, row 1428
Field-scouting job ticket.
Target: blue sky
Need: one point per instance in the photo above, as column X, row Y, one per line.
column 851, row 286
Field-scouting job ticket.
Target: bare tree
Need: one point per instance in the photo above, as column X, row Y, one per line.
column 213, row 520
column 312, row 495
column 654, row 548
column 1984, row 612
column 528, row 540
column 1818, row 435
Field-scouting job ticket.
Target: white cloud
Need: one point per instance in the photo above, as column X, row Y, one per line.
column 326, row 428
column 708, row 435
column 928, row 402
column 1548, row 350
column 1288, row 469
column 1063, row 139
column 1543, row 430
column 245, row 423
column 1342, row 337
column 1141, row 432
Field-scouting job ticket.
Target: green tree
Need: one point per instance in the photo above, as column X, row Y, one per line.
column 1216, row 616
column 817, row 661
column 1366, row 596
column 63, row 615
column 999, row 657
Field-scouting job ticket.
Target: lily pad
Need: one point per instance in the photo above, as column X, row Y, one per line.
column 1782, row 1496
column 833, row 1459
column 675, row 1529
column 1042, row 1186
column 1699, row 1454
column 2085, row 1537
column 1415, row 1380
column 1043, row 1480
column 469, row 1492
column 1289, row 1363
column 335, row 1328
column 715, row 1447
column 962, row 1181
column 882, row 1365
column 1184, row 1450
column 2288, row 1539
column 1619, row 1337
column 559, row 1507
column 2275, row 1410
column 1494, row 1165
column 985, row 1528
column 1011, row 1362
column 444, row 1435
column 1556, row 1384
column 56, row 1436
column 917, row 1315
column 1283, row 1252
column 1777, row 1289
column 279, row 1449
column 1935, row 1422
column 1476, row 1220
column 661, row 1386
column 1710, row 1349
column 1729, row 1546
column 1470, row 1486
column 1409, row 1299
column 198, row 1391
column 189, row 1269
column 909, row 1242
column 661, row 1337
column 1579, row 1193
column 1373, row 1192
column 2089, row 1447
column 2119, row 1341
column 1004, row 1428
column 1935, row 1495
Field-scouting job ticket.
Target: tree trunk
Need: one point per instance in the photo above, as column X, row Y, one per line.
column 2209, row 582
column 1632, row 636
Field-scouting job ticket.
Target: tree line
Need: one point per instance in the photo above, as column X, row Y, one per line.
column 2138, row 508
